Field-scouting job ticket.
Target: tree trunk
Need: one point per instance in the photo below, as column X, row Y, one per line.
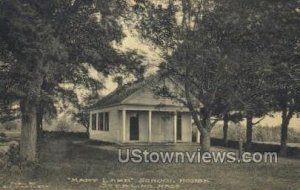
column 249, row 130
column 284, row 137
column 39, row 126
column 88, row 132
column 205, row 135
column 28, row 131
column 286, row 117
column 205, row 140
column 39, row 120
column 225, row 130
column 240, row 148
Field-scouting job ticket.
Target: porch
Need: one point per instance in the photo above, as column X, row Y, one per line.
column 155, row 126
column 141, row 124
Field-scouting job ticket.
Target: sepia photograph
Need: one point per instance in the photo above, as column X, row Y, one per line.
column 149, row 94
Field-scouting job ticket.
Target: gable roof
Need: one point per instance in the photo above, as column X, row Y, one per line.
column 121, row 93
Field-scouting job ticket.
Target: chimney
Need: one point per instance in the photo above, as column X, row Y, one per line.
column 119, row 81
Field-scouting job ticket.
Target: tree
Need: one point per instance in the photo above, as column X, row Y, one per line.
column 279, row 26
column 187, row 62
column 24, row 36
column 265, row 45
column 239, row 25
column 206, row 77
column 236, row 48
column 201, row 56
column 252, row 95
column 48, row 43
column 234, row 117
column 83, row 117
column 268, row 40
column 285, row 63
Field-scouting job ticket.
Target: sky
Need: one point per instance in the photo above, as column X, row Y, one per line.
column 132, row 42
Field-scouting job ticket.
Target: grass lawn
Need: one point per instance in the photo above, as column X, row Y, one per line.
column 68, row 164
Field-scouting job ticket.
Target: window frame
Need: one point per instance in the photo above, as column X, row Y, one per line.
column 100, row 121
column 94, row 121
column 103, row 121
column 106, row 121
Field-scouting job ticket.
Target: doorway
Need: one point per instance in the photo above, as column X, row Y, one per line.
column 179, row 127
column 134, row 128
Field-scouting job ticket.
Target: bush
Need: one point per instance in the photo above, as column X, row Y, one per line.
column 9, row 156
column 11, row 161
column 14, row 153
column 3, row 135
column 3, row 159
column 64, row 125
column 63, row 134
column 11, row 125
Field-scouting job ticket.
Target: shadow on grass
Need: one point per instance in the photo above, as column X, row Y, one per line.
column 62, row 159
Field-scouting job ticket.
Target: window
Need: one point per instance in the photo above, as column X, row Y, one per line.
column 94, row 121
column 100, row 121
column 179, row 126
column 103, row 121
column 106, row 123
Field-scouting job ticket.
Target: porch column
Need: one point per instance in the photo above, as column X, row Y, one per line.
column 198, row 136
column 97, row 121
column 175, row 127
column 150, row 126
column 90, row 124
column 123, row 125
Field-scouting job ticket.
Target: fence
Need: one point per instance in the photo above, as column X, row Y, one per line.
column 257, row 147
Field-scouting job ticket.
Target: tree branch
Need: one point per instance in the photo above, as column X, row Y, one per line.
column 255, row 123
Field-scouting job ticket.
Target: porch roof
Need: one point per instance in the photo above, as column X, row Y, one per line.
column 155, row 108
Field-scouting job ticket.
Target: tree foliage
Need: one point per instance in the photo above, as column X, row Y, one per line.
column 228, row 55
column 46, row 43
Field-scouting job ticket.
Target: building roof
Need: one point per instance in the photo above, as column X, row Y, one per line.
column 121, row 93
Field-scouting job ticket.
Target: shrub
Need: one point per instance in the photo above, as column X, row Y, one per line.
column 10, row 157
column 3, row 159
column 64, row 125
column 11, row 161
column 3, row 135
column 11, row 125
column 14, row 153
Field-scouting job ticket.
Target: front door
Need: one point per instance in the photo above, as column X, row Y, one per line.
column 134, row 128
column 179, row 127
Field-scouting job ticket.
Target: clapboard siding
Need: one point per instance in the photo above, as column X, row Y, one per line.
column 113, row 134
